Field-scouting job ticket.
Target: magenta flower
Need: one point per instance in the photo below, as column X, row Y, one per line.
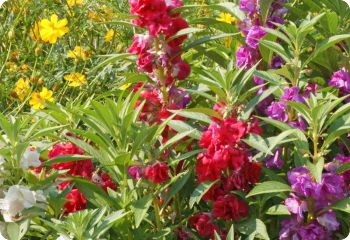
column 254, row 35
column 245, row 57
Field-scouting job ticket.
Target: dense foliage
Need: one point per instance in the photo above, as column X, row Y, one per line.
column 175, row 119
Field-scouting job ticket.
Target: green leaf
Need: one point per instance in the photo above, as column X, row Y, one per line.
column 140, row 208
column 257, row 142
column 278, row 210
column 65, row 158
column 207, row 39
column 324, row 45
column 177, row 186
column 199, row 192
column 316, row 169
column 254, row 228
column 181, row 127
column 343, row 205
column 183, row 32
column 231, row 233
column 265, row 6
column 269, row 187
column 278, row 49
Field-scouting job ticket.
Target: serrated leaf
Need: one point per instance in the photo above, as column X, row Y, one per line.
column 199, row 192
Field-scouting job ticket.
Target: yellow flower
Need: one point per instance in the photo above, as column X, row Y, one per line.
column 22, row 88
column 51, row 30
column 72, row 3
column 109, row 35
column 35, row 32
column 75, row 79
column 39, row 98
column 79, row 53
column 125, row 86
column 226, row 18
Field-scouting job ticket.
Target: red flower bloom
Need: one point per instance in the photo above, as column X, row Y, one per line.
column 251, row 171
column 203, row 225
column 228, row 207
column 76, row 201
column 232, row 131
column 157, row 173
column 176, row 25
column 82, row 168
column 104, row 181
column 141, row 43
column 206, row 168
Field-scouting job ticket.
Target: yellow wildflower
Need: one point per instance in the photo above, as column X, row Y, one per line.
column 72, row 3
column 11, row 67
column 75, row 79
column 109, row 35
column 226, row 18
column 39, row 99
column 22, row 88
column 35, row 32
column 79, row 53
column 93, row 16
column 51, row 30
column 125, row 86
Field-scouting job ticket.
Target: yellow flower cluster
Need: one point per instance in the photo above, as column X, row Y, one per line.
column 79, row 53
column 22, row 88
column 39, row 99
column 109, row 35
column 226, row 18
column 72, row 3
column 75, row 79
column 49, row 30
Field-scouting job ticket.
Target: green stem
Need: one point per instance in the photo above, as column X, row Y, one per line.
column 157, row 214
column 161, row 74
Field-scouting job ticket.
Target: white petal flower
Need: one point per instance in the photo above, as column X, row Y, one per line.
column 2, row 2
column 348, row 2
column 16, row 199
column 31, row 158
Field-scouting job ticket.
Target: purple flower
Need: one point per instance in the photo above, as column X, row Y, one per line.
column 291, row 94
column 341, row 80
column 301, row 182
column 311, row 88
column 254, row 35
column 179, row 97
column 312, row 231
column 245, row 26
column 277, row 111
column 277, row 62
column 245, row 57
column 330, row 190
column 275, row 161
column 329, row 221
column 296, row 206
column 249, row 6
column 259, row 81
column 300, row 124
column 288, row 230
column 135, row 172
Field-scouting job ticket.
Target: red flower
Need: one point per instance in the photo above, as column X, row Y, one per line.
column 176, row 25
column 83, row 168
column 148, row 9
column 206, row 168
column 232, row 131
column 141, row 43
column 213, row 193
column 181, row 69
column 251, row 171
column 157, row 173
column 145, row 62
column 104, row 181
column 76, row 201
column 255, row 128
column 203, row 225
column 228, row 207
column 238, row 158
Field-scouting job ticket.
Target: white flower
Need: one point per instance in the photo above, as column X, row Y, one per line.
column 16, row 199
column 348, row 2
column 30, row 159
column 64, row 237
column 1, row 2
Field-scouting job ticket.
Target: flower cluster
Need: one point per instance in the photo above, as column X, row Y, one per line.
column 253, row 29
column 225, row 160
column 159, row 54
column 311, row 219
column 83, row 168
